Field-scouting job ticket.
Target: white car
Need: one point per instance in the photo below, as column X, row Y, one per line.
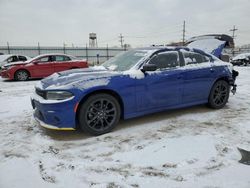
column 10, row 58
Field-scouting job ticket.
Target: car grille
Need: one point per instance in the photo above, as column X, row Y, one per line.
column 41, row 93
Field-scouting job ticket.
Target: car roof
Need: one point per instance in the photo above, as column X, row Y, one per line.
column 52, row 54
column 158, row 49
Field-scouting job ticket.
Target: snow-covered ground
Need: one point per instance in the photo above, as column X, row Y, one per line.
column 192, row 147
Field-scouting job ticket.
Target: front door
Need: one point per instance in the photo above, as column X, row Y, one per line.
column 162, row 88
column 43, row 67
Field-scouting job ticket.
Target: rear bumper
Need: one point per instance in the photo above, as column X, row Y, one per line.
column 232, row 81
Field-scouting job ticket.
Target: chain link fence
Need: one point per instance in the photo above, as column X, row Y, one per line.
column 92, row 55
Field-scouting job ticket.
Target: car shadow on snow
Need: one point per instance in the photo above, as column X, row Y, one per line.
column 15, row 81
column 161, row 116
column 129, row 124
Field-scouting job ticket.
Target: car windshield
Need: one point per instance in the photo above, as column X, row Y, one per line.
column 125, row 60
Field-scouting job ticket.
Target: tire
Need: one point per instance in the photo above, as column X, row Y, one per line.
column 99, row 114
column 21, row 75
column 219, row 94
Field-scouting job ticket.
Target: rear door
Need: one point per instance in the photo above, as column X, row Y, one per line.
column 62, row 63
column 198, row 77
column 42, row 67
column 162, row 88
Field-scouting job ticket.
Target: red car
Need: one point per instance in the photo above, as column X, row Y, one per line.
column 41, row 66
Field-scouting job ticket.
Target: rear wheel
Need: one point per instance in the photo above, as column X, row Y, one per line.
column 99, row 114
column 219, row 94
column 21, row 75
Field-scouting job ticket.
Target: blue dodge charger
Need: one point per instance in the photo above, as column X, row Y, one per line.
column 134, row 83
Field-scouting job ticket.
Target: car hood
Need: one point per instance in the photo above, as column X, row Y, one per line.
column 80, row 78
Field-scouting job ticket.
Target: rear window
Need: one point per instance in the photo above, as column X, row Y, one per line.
column 62, row 58
column 194, row 58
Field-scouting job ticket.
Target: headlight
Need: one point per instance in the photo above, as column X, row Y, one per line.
column 6, row 67
column 58, row 95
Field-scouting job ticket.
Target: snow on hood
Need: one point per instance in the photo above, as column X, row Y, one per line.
column 212, row 46
column 242, row 56
column 16, row 63
column 80, row 78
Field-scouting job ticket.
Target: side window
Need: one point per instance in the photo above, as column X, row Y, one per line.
column 194, row 58
column 66, row 58
column 59, row 58
column 22, row 58
column 62, row 58
column 44, row 59
column 165, row 60
column 12, row 59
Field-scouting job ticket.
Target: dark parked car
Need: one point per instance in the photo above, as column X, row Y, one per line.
column 241, row 59
column 41, row 66
column 135, row 83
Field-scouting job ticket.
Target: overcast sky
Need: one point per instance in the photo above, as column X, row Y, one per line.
column 142, row 22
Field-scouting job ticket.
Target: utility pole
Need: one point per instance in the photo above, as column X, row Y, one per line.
column 233, row 30
column 38, row 47
column 233, row 36
column 8, row 46
column 121, row 40
column 183, row 33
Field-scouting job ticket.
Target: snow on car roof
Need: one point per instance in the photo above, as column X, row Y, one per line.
column 42, row 55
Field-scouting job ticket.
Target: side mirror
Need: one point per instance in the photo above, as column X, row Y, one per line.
column 149, row 67
column 35, row 62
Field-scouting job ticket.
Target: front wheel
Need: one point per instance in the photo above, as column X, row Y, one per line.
column 21, row 75
column 219, row 94
column 99, row 114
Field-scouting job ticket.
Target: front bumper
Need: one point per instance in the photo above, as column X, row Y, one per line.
column 4, row 74
column 57, row 116
column 47, row 126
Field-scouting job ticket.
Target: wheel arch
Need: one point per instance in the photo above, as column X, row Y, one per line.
column 225, row 78
column 22, row 69
column 100, row 91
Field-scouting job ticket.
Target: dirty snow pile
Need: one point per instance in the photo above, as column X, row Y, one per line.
column 192, row 147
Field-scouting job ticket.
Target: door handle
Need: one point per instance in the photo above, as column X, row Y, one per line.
column 211, row 70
